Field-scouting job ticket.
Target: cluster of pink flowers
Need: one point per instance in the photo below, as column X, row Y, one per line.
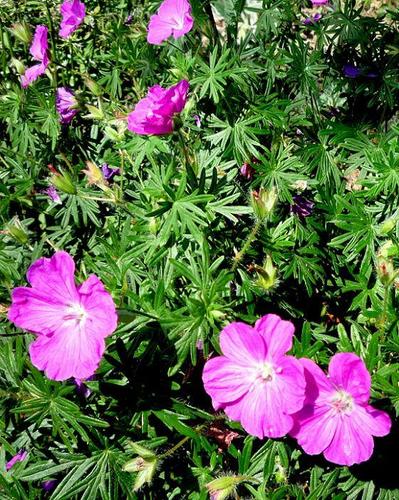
column 273, row 394
column 71, row 322
column 154, row 114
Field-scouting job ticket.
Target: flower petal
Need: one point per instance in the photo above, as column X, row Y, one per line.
column 375, row 422
column 314, row 428
column 317, row 383
column 54, row 277
column 225, row 380
column 35, row 312
column 68, row 353
column 277, row 334
column 261, row 412
column 159, row 30
column 101, row 312
column 348, row 371
column 291, row 383
column 351, row 444
column 242, row 343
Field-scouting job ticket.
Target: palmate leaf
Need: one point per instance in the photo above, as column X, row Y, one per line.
column 42, row 403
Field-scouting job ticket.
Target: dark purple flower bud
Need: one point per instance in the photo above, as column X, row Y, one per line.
column 312, row 19
column 19, row 457
column 351, row 71
column 81, row 387
column 49, row 485
column 372, row 74
column 247, row 171
column 129, row 20
column 52, row 193
column 109, row 172
column 66, row 104
column 301, row 206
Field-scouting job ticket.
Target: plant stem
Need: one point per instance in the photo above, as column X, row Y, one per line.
column 247, row 244
column 53, row 45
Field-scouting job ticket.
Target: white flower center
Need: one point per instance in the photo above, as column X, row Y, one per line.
column 342, row 402
column 75, row 312
column 266, row 372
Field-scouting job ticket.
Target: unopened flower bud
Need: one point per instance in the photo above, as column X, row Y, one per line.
column 22, row 32
column 93, row 86
column 95, row 113
column 94, row 174
column 386, row 271
column 263, row 202
column 17, row 231
column 222, row 487
column 18, row 65
column 267, row 274
column 145, row 465
column 387, row 226
column 63, row 182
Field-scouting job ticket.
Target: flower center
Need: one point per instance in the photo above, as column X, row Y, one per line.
column 266, row 372
column 75, row 312
column 342, row 402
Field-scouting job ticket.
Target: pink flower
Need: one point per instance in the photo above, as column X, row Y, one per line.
column 38, row 50
column 337, row 419
column 19, row 457
column 153, row 115
column 319, row 2
column 66, row 104
column 71, row 321
column 254, row 381
column 73, row 13
column 172, row 18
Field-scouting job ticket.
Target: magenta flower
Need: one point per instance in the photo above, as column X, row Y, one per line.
column 73, row 13
column 71, row 321
column 337, row 419
column 153, row 115
column 172, row 18
column 319, row 2
column 38, row 50
column 66, row 104
column 254, row 381
column 19, row 457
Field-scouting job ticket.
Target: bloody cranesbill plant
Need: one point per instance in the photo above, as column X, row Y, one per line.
column 225, row 175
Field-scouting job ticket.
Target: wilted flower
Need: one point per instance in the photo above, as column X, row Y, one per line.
column 153, row 115
column 52, row 193
column 73, row 13
column 301, row 206
column 19, row 457
column 173, row 18
column 254, row 381
column 351, row 71
column 221, row 434
column 66, row 104
column 247, row 171
column 337, row 419
column 352, row 180
column 109, row 172
column 94, row 174
column 38, row 51
column 71, row 321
